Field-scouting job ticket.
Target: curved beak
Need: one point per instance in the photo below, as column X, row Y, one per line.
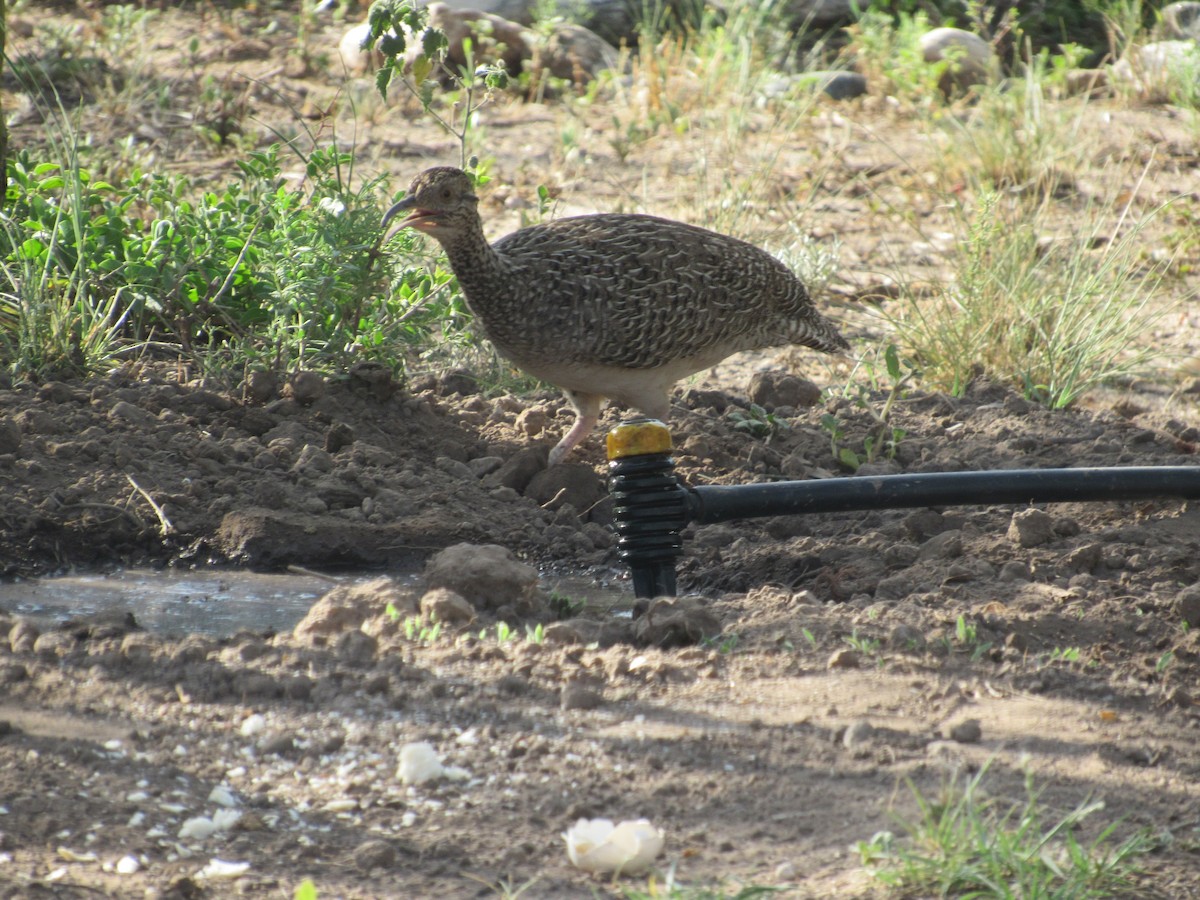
column 420, row 219
column 403, row 206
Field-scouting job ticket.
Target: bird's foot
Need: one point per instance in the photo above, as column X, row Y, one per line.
column 581, row 429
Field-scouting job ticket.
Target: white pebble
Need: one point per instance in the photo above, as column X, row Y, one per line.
column 419, row 763
column 128, row 865
column 219, row 868
column 253, row 725
column 222, row 796
column 197, row 828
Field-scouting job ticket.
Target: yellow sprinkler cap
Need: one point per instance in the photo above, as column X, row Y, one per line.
column 638, row 437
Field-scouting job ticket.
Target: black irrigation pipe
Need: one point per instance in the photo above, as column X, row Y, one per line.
column 651, row 507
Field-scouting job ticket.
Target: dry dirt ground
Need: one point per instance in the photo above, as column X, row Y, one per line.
column 840, row 669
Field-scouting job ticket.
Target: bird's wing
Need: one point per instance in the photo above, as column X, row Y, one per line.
column 635, row 290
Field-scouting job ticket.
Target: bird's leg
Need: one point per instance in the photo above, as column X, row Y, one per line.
column 587, row 414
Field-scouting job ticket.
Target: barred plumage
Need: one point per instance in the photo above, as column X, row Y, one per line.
column 613, row 306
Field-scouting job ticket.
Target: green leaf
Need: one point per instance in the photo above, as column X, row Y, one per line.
column 32, row 248
column 421, row 67
column 433, row 42
column 392, row 45
column 849, row 458
column 306, row 891
column 891, row 356
column 382, row 79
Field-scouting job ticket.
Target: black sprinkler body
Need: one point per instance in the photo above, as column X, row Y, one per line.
column 651, row 507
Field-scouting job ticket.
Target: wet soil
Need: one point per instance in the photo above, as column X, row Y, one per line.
column 848, row 647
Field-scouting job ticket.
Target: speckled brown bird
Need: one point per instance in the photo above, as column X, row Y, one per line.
column 617, row 306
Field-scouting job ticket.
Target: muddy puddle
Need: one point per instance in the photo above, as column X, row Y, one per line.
column 219, row 602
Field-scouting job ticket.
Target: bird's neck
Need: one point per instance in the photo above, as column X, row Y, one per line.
column 476, row 264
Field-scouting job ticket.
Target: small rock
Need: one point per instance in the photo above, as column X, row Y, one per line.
column 376, row 378
column 925, row 523
column 837, row 85
column 969, row 58
column 338, row 436
column 123, row 411
column 22, row 636
column 1181, row 697
column 574, row 53
column 278, row 745
column 675, row 622
column 563, row 633
column 312, row 461
column 487, row 576
column 260, row 387
column 1181, row 21
column 518, row 470
column 454, row 467
column 1031, row 528
column 580, row 696
column 1014, row 570
column 1154, row 71
column 374, row 854
column 305, row 387
column 10, row 436
column 127, row 865
column 1187, row 605
column 355, row 648
column 531, row 422
column 573, row 483
column 444, row 605
column 773, row 389
column 484, row 465
column 347, row 607
column 968, row 731
column 906, row 637
column 457, row 381
column 947, row 545
column 844, row 658
column 253, row 724
column 56, row 643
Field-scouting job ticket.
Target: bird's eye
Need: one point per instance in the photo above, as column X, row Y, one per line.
column 445, row 193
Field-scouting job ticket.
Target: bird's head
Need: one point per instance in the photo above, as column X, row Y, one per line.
column 440, row 202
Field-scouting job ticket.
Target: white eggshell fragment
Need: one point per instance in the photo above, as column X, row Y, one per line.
column 597, row 845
